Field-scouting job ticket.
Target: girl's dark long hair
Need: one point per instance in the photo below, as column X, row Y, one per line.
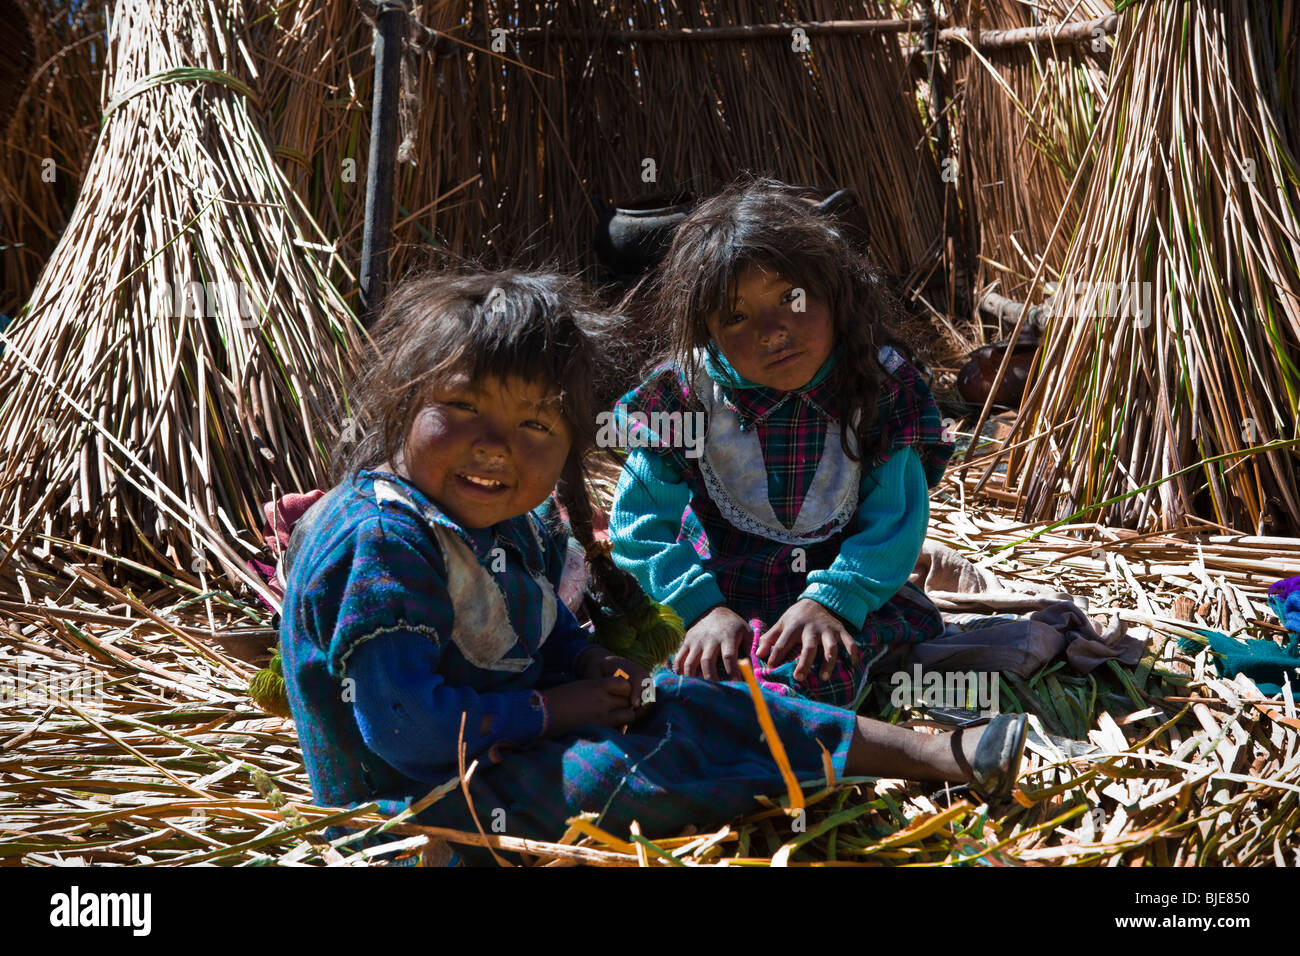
column 537, row 326
column 768, row 223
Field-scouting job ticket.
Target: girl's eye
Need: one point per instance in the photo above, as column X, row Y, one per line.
column 466, row 406
column 789, row 295
column 539, row 426
column 735, row 318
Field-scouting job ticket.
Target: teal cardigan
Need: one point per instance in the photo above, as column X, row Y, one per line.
column 890, row 526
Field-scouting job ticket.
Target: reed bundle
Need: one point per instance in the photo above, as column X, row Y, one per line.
column 182, row 345
column 1168, row 383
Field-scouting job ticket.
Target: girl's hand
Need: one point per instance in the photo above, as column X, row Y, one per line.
column 587, row 703
column 721, row 631
column 598, row 663
column 808, row 625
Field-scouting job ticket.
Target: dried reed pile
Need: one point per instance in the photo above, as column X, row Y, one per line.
column 182, row 345
column 1169, row 381
column 173, row 765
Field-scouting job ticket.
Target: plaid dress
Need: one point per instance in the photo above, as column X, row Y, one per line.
column 397, row 622
column 767, row 511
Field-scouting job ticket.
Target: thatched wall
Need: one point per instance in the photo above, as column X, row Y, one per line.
column 1024, row 116
column 509, row 151
column 46, row 146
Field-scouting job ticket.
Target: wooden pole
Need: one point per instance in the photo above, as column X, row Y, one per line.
column 1078, row 32
column 390, row 30
column 739, row 32
column 943, row 147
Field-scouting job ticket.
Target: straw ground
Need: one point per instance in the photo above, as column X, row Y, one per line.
column 167, row 762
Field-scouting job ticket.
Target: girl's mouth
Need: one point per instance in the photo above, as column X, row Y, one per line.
column 480, row 486
column 784, row 358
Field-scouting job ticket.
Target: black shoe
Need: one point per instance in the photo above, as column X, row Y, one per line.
column 997, row 757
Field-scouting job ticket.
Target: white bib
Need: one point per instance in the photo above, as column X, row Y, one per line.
column 481, row 626
column 735, row 475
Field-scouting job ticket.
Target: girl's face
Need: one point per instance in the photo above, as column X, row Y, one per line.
column 486, row 451
column 765, row 339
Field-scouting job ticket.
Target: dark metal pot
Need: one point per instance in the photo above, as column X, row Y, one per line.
column 841, row 204
column 633, row 236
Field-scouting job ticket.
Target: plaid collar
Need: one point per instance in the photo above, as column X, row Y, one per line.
column 754, row 403
column 521, row 534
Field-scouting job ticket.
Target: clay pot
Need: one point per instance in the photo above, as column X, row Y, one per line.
column 975, row 379
column 633, row 236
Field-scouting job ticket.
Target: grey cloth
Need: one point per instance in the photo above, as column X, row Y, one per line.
column 1016, row 627
column 954, row 583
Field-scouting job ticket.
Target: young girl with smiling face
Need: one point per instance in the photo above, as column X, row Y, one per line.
column 791, row 538
column 420, row 615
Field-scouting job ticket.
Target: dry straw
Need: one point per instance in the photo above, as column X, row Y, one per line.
column 512, row 146
column 183, row 346
column 174, row 766
column 1168, row 383
column 1024, row 116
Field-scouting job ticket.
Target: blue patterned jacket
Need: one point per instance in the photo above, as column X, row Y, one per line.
column 397, row 622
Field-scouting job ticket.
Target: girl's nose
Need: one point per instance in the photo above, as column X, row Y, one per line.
column 490, row 442
column 773, row 326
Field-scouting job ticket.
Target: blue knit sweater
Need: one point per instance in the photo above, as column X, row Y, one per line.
column 379, row 667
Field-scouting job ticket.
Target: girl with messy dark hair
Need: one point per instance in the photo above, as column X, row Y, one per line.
column 788, row 537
